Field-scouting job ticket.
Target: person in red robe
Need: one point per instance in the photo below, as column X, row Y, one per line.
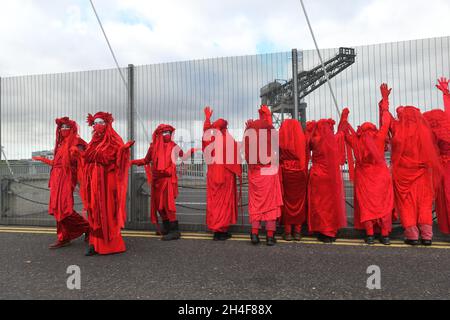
column 326, row 198
column 161, row 169
column 439, row 122
column 221, row 153
column 373, row 189
column 294, row 177
column 416, row 173
column 63, row 180
column 105, row 185
column 264, row 187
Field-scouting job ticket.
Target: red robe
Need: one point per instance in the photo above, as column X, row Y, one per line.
column 161, row 171
column 63, row 180
column 294, row 172
column 373, row 192
column 221, row 191
column 326, row 198
column 440, row 125
column 415, row 168
column 105, row 188
column 264, row 187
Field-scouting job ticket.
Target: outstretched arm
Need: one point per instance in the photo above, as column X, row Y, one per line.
column 443, row 86
column 44, row 160
column 346, row 129
column 144, row 161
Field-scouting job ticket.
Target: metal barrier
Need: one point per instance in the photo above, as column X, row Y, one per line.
column 175, row 93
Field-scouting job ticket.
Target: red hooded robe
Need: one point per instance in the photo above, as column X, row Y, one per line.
column 64, row 177
column 294, row 172
column 373, row 192
column 105, row 187
column 326, row 198
column 221, row 191
column 439, row 122
column 416, row 168
column 264, row 187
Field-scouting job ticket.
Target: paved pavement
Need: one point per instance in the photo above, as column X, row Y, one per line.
column 198, row 268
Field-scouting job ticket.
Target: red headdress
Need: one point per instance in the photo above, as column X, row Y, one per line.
column 161, row 156
column 292, row 141
column 220, row 124
column 265, row 114
column 72, row 140
column 439, row 123
column 106, row 116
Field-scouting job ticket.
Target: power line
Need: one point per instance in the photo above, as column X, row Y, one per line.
column 118, row 67
column 320, row 57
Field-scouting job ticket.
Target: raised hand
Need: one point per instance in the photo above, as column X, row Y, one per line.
column 129, row 144
column 345, row 113
column 443, row 85
column 208, row 112
column 385, row 91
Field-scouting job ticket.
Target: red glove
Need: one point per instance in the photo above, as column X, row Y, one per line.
column 208, row 113
column 443, row 85
column 385, row 91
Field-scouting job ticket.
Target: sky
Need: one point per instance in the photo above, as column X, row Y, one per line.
column 52, row 36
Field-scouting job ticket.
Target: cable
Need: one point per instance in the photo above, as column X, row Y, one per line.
column 118, row 67
column 320, row 58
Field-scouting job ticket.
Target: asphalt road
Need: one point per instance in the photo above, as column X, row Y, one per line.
column 202, row 269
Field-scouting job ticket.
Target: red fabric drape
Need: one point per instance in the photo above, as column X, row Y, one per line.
column 161, row 171
column 373, row 189
column 416, row 167
column 326, row 202
column 294, row 172
column 439, row 123
column 105, row 187
column 221, row 192
column 264, row 187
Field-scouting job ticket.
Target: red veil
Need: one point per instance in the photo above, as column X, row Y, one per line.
column 413, row 132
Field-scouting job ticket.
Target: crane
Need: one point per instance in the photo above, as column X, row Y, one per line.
column 280, row 96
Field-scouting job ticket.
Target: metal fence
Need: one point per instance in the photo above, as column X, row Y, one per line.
column 176, row 93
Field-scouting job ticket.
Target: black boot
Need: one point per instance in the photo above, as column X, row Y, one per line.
column 216, row 236
column 325, row 239
column 90, row 251
column 271, row 241
column 165, row 228
column 412, row 242
column 427, row 243
column 255, row 239
column 385, row 241
column 174, row 233
column 224, row 236
column 370, row 240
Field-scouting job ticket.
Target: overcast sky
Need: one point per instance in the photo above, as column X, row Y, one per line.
column 47, row 36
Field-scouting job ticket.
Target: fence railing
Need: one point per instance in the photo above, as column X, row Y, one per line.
column 175, row 93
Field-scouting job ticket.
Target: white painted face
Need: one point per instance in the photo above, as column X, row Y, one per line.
column 167, row 133
column 99, row 122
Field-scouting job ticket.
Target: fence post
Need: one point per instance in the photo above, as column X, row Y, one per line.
column 295, row 80
column 131, row 136
column 1, row 155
